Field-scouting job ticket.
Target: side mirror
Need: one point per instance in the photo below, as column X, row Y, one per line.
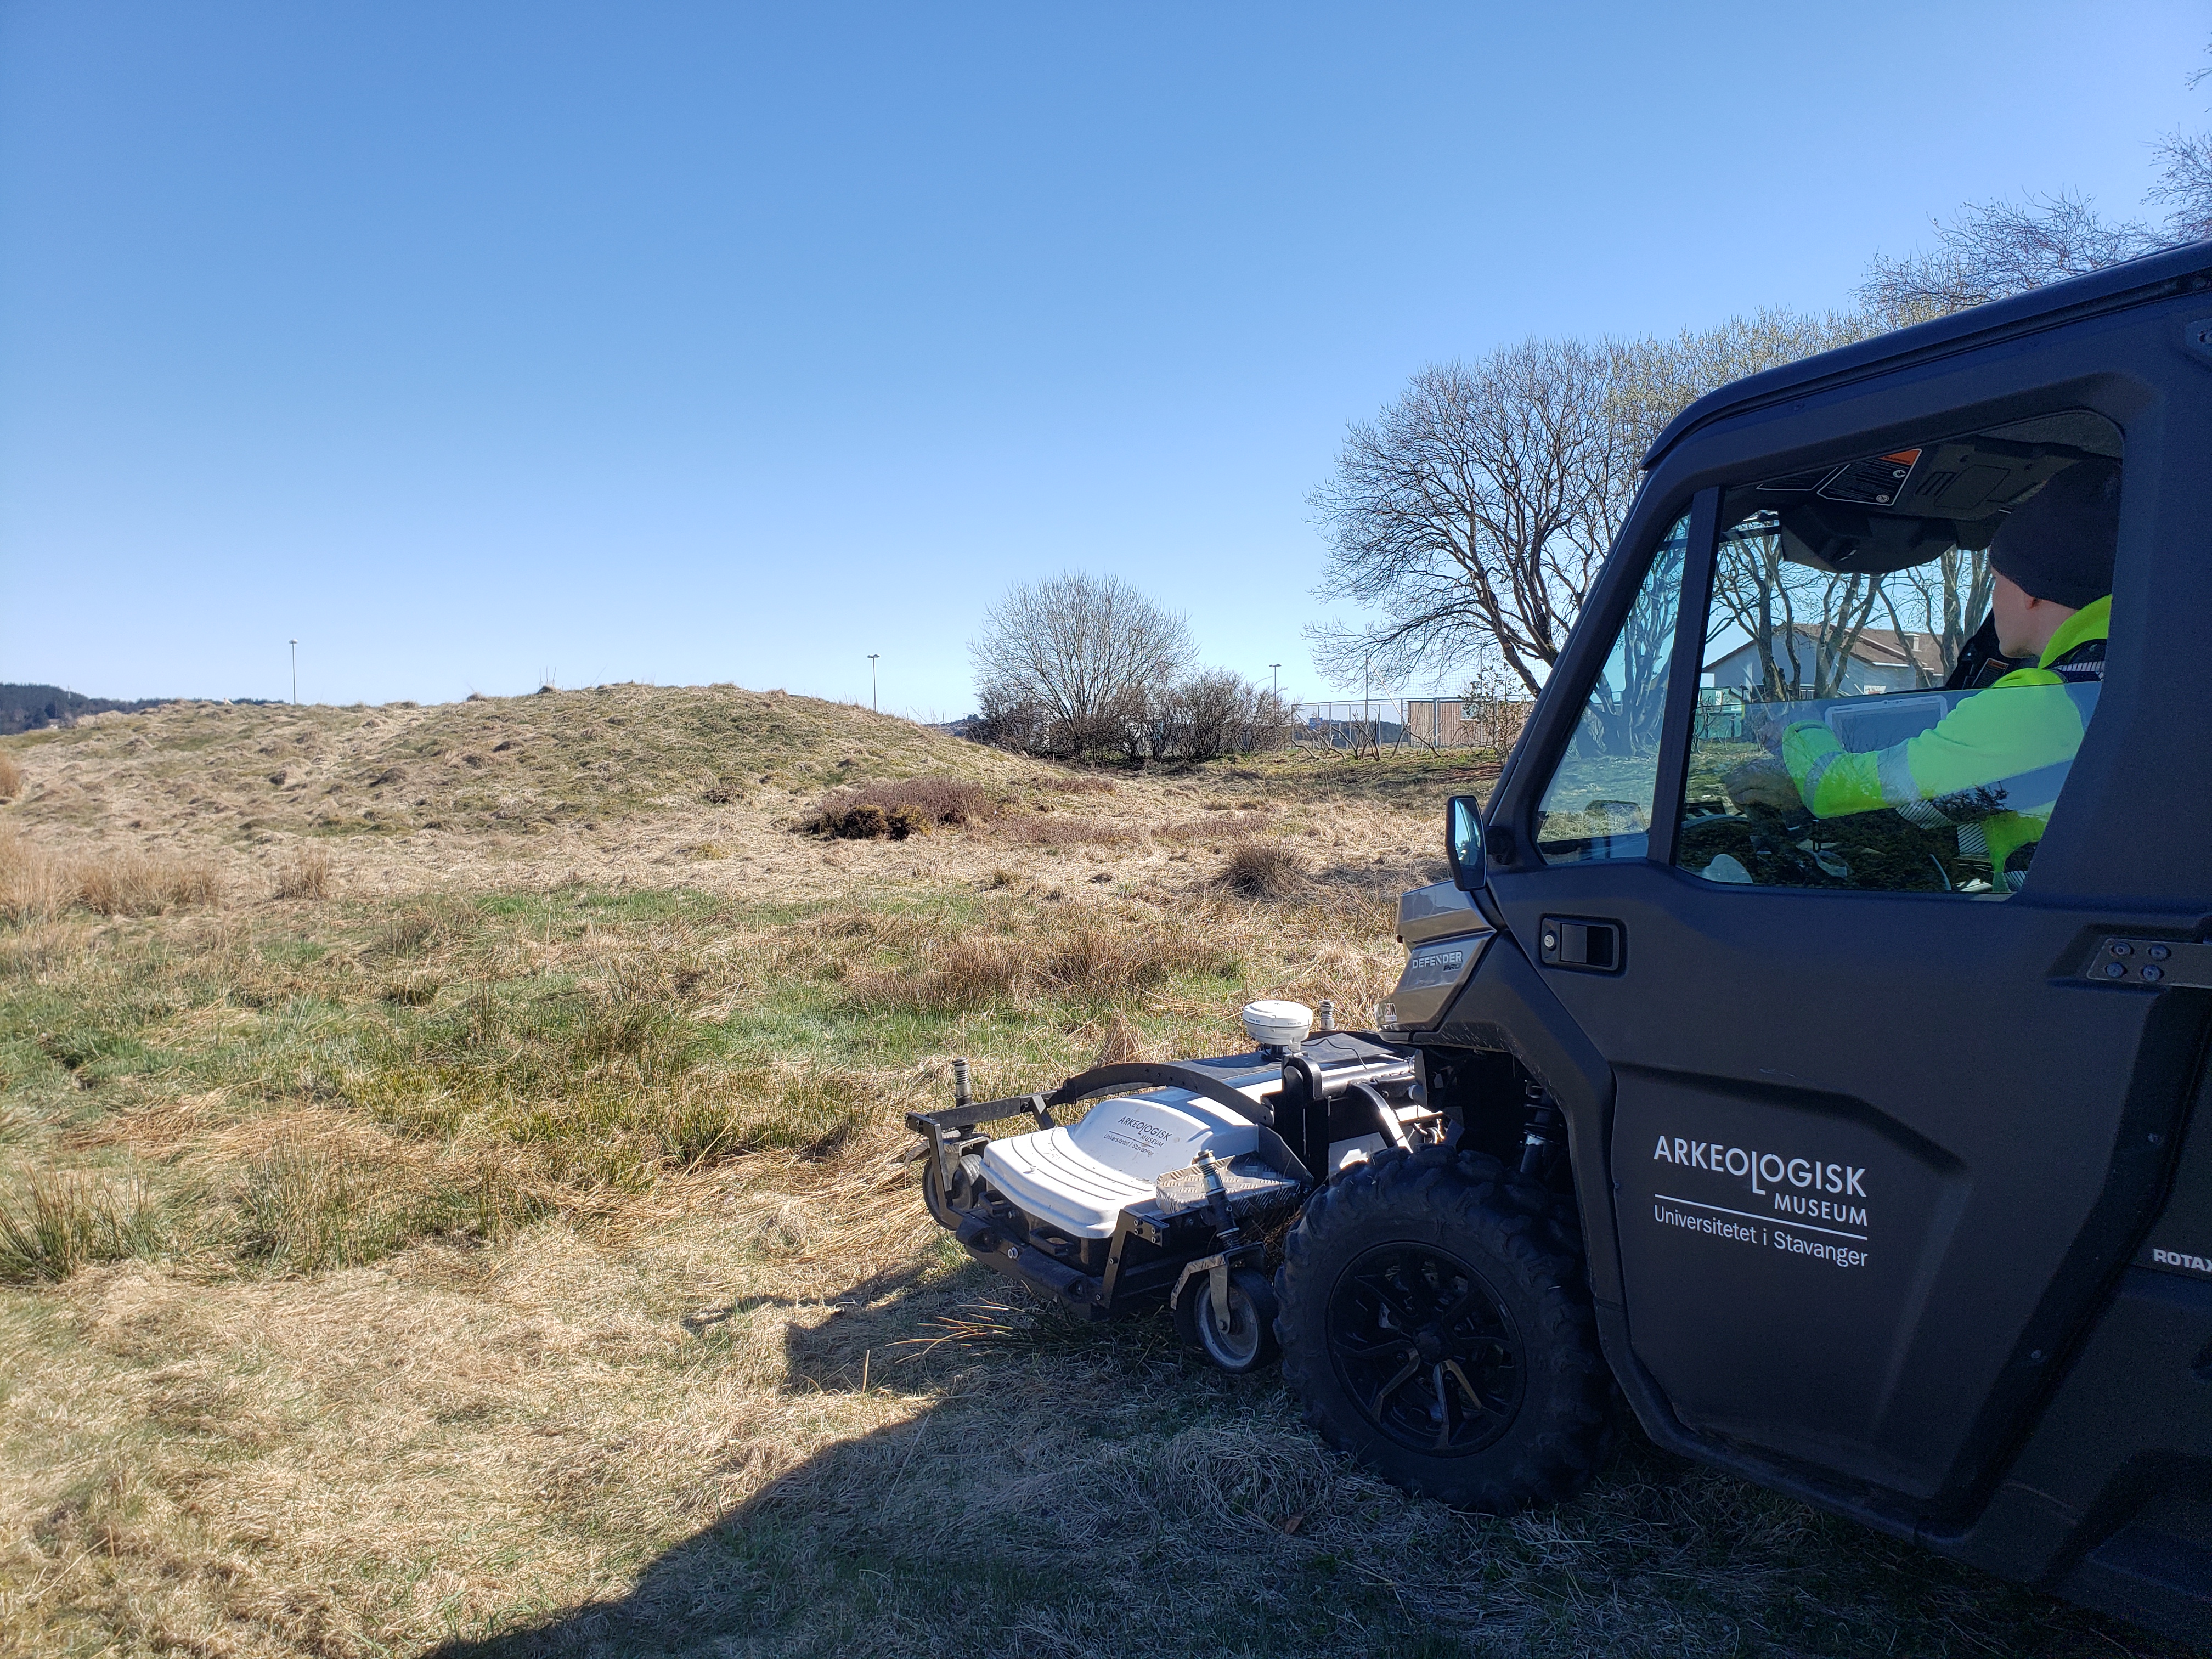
column 1463, row 841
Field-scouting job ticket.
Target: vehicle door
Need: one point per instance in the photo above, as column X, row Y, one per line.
column 1883, row 1121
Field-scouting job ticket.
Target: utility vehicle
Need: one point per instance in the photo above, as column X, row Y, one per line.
column 1851, row 1157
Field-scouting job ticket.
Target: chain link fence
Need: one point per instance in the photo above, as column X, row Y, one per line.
column 1376, row 725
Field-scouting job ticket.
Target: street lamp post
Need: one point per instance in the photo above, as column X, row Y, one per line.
column 873, row 706
column 1275, row 678
column 295, row 673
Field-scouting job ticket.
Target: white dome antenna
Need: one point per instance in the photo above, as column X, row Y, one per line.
column 1277, row 1024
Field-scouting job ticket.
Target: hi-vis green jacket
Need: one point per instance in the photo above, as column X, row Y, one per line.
column 1994, row 762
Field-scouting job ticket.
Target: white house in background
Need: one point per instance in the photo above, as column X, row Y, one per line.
column 1881, row 659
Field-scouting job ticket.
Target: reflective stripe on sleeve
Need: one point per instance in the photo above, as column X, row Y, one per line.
column 1809, row 787
column 1894, row 774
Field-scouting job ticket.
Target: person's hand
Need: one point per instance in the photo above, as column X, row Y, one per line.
column 1762, row 781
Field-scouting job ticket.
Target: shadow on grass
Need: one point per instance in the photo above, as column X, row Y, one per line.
column 1068, row 1489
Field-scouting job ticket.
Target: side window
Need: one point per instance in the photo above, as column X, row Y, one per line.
column 1598, row 803
column 1902, row 654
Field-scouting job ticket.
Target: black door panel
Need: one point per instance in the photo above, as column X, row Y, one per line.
column 1779, row 1247
column 1924, row 1060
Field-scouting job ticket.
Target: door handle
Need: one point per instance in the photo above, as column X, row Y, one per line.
column 1587, row 944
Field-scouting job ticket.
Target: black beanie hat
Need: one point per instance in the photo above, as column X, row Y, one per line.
column 2058, row 544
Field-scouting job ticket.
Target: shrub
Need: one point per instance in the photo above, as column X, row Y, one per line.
column 911, row 807
column 863, row 821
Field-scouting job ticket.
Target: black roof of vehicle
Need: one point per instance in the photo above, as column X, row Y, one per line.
column 2159, row 275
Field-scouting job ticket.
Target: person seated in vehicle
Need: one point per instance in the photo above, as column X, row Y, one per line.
column 1993, row 765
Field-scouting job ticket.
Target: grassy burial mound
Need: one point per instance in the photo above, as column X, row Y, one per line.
column 516, row 764
column 493, row 1239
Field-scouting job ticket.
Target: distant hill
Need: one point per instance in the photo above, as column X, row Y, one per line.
column 28, row 708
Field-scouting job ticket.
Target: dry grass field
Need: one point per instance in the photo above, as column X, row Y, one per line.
column 450, row 1201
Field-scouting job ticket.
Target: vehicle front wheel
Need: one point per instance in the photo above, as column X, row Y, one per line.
column 1436, row 1325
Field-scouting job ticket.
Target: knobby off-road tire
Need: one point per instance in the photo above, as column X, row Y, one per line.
column 1436, row 1325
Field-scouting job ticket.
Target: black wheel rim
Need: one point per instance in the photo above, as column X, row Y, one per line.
column 1425, row 1350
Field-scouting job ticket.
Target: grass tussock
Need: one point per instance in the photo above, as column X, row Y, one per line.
column 1058, row 830
column 1121, row 1039
column 1263, row 867
column 1082, row 954
column 11, row 778
column 37, row 886
column 62, row 1221
column 812, row 1111
column 309, row 1206
column 132, row 885
column 34, row 887
column 305, row 874
column 1229, row 825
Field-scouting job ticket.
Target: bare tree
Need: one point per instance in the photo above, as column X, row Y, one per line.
column 1805, row 624
column 1217, row 712
column 1473, row 513
column 1946, row 599
column 2184, row 178
column 1085, row 656
column 1493, row 707
column 1993, row 250
column 1009, row 717
column 2184, row 185
column 1654, row 379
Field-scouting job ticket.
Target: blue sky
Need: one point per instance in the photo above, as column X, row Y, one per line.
column 697, row 342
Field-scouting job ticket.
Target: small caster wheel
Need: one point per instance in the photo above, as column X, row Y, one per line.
column 1250, row 1341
